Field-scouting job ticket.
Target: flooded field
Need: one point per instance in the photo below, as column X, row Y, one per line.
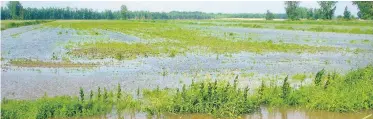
column 60, row 57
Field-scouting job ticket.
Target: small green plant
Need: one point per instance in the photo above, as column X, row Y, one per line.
column 299, row 76
column 91, row 95
column 105, row 94
column 319, row 76
column 99, row 93
column 81, row 92
column 119, row 91
column 286, row 88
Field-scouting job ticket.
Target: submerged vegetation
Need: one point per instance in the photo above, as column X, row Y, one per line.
column 352, row 27
column 330, row 91
column 169, row 40
column 38, row 63
column 6, row 24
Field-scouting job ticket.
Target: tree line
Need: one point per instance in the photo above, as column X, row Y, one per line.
column 326, row 11
column 15, row 10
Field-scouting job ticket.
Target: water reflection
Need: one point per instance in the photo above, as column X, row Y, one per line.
column 263, row 113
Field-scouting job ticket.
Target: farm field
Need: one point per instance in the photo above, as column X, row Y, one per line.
column 188, row 68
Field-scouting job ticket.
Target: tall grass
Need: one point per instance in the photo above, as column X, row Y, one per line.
column 352, row 27
column 351, row 92
column 6, row 24
column 67, row 106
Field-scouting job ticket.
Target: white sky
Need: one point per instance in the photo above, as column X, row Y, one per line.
column 204, row 6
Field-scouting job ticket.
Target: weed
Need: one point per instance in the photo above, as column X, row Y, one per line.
column 37, row 63
column 318, row 77
column 81, row 92
column 340, row 93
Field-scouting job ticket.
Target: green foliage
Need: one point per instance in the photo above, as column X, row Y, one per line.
column 351, row 92
column 16, row 9
column 66, row 106
column 341, row 93
column 91, row 95
column 99, row 93
column 218, row 98
column 299, row 77
column 123, row 11
column 105, row 94
column 119, row 91
column 285, row 88
column 365, row 9
column 291, row 9
column 327, row 9
column 269, row 15
column 6, row 24
column 319, row 76
column 175, row 40
column 81, row 93
column 346, row 14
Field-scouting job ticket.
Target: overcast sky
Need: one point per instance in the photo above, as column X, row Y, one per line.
column 204, row 6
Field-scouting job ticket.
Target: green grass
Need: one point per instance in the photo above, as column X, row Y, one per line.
column 6, row 24
column 299, row 77
column 175, row 40
column 352, row 27
column 351, row 92
column 38, row 63
column 98, row 103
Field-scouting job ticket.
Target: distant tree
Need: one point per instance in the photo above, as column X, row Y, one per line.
column 346, row 14
column 123, row 11
column 365, row 9
column 302, row 12
column 16, row 9
column 109, row 14
column 291, row 9
column 340, row 17
column 269, row 15
column 310, row 13
column 317, row 14
column 5, row 13
column 327, row 9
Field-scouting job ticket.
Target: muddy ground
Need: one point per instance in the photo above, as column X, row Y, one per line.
column 42, row 43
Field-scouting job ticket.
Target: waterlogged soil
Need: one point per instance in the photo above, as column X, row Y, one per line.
column 45, row 43
column 263, row 113
column 41, row 42
column 344, row 40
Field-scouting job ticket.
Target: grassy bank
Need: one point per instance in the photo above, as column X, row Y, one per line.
column 6, row 24
column 38, row 63
column 352, row 27
column 169, row 40
column 329, row 91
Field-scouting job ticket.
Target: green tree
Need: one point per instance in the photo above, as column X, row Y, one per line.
column 327, row 9
column 291, row 9
column 302, row 12
column 346, row 14
column 16, row 9
column 310, row 13
column 123, row 11
column 269, row 15
column 365, row 9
